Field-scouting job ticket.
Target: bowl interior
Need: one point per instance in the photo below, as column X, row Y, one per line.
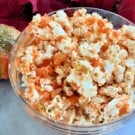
column 16, row 79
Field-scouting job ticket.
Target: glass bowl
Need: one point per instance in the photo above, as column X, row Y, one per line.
column 15, row 79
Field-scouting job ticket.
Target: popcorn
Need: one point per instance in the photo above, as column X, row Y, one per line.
column 109, row 67
column 116, row 56
column 65, row 45
column 112, row 91
column 35, row 96
column 111, row 111
column 130, row 63
column 88, row 89
column 79, row 69
column 98, row 76
column 57, row 29
column 46, row 84
column 119, row 73
column 49, row 51
column 63, row 19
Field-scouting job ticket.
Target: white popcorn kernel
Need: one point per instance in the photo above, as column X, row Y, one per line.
column 129, row 28
column 98, row 99
column 57, row 100
column 96, row 47
column 130, row 45
column 36, row 18
column 31, row 73
column 35, row 96
column 49, row 51
column 91, row 112
column 88, row 89
column 39, row 58
column 88, row 49
column 61, row 15
column 82, row 12
column 95, row 14
column 57, row 29
column 74, row 54
column 123, row 54
column 29, row 58
column 73, row 77
column 86, row 64
column 68, row 90
column 72, row 114
column 129, row 76
column 46, row 84
column 65, row 45
column 59, row 79
column 98, row 76
column 119, row 73
column 29, row 54
column 130, row 63
column 111, row 110
column 109, row 67
column 116, row 56
column 111, row 91
column 84, row 49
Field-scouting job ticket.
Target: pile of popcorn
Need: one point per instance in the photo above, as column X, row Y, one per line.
column 79, row 69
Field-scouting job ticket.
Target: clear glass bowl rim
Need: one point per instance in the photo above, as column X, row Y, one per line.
column 57, row 125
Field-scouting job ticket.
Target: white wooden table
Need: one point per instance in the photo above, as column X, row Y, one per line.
column 15, row 121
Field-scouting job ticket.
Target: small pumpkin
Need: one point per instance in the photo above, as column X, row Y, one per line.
column 8, row 35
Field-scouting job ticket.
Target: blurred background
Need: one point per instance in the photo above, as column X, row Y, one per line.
column 18, row 13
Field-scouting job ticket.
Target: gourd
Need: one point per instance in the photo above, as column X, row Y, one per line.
column 8, row 35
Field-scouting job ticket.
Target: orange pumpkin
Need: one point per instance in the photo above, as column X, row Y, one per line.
column 8, row 35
